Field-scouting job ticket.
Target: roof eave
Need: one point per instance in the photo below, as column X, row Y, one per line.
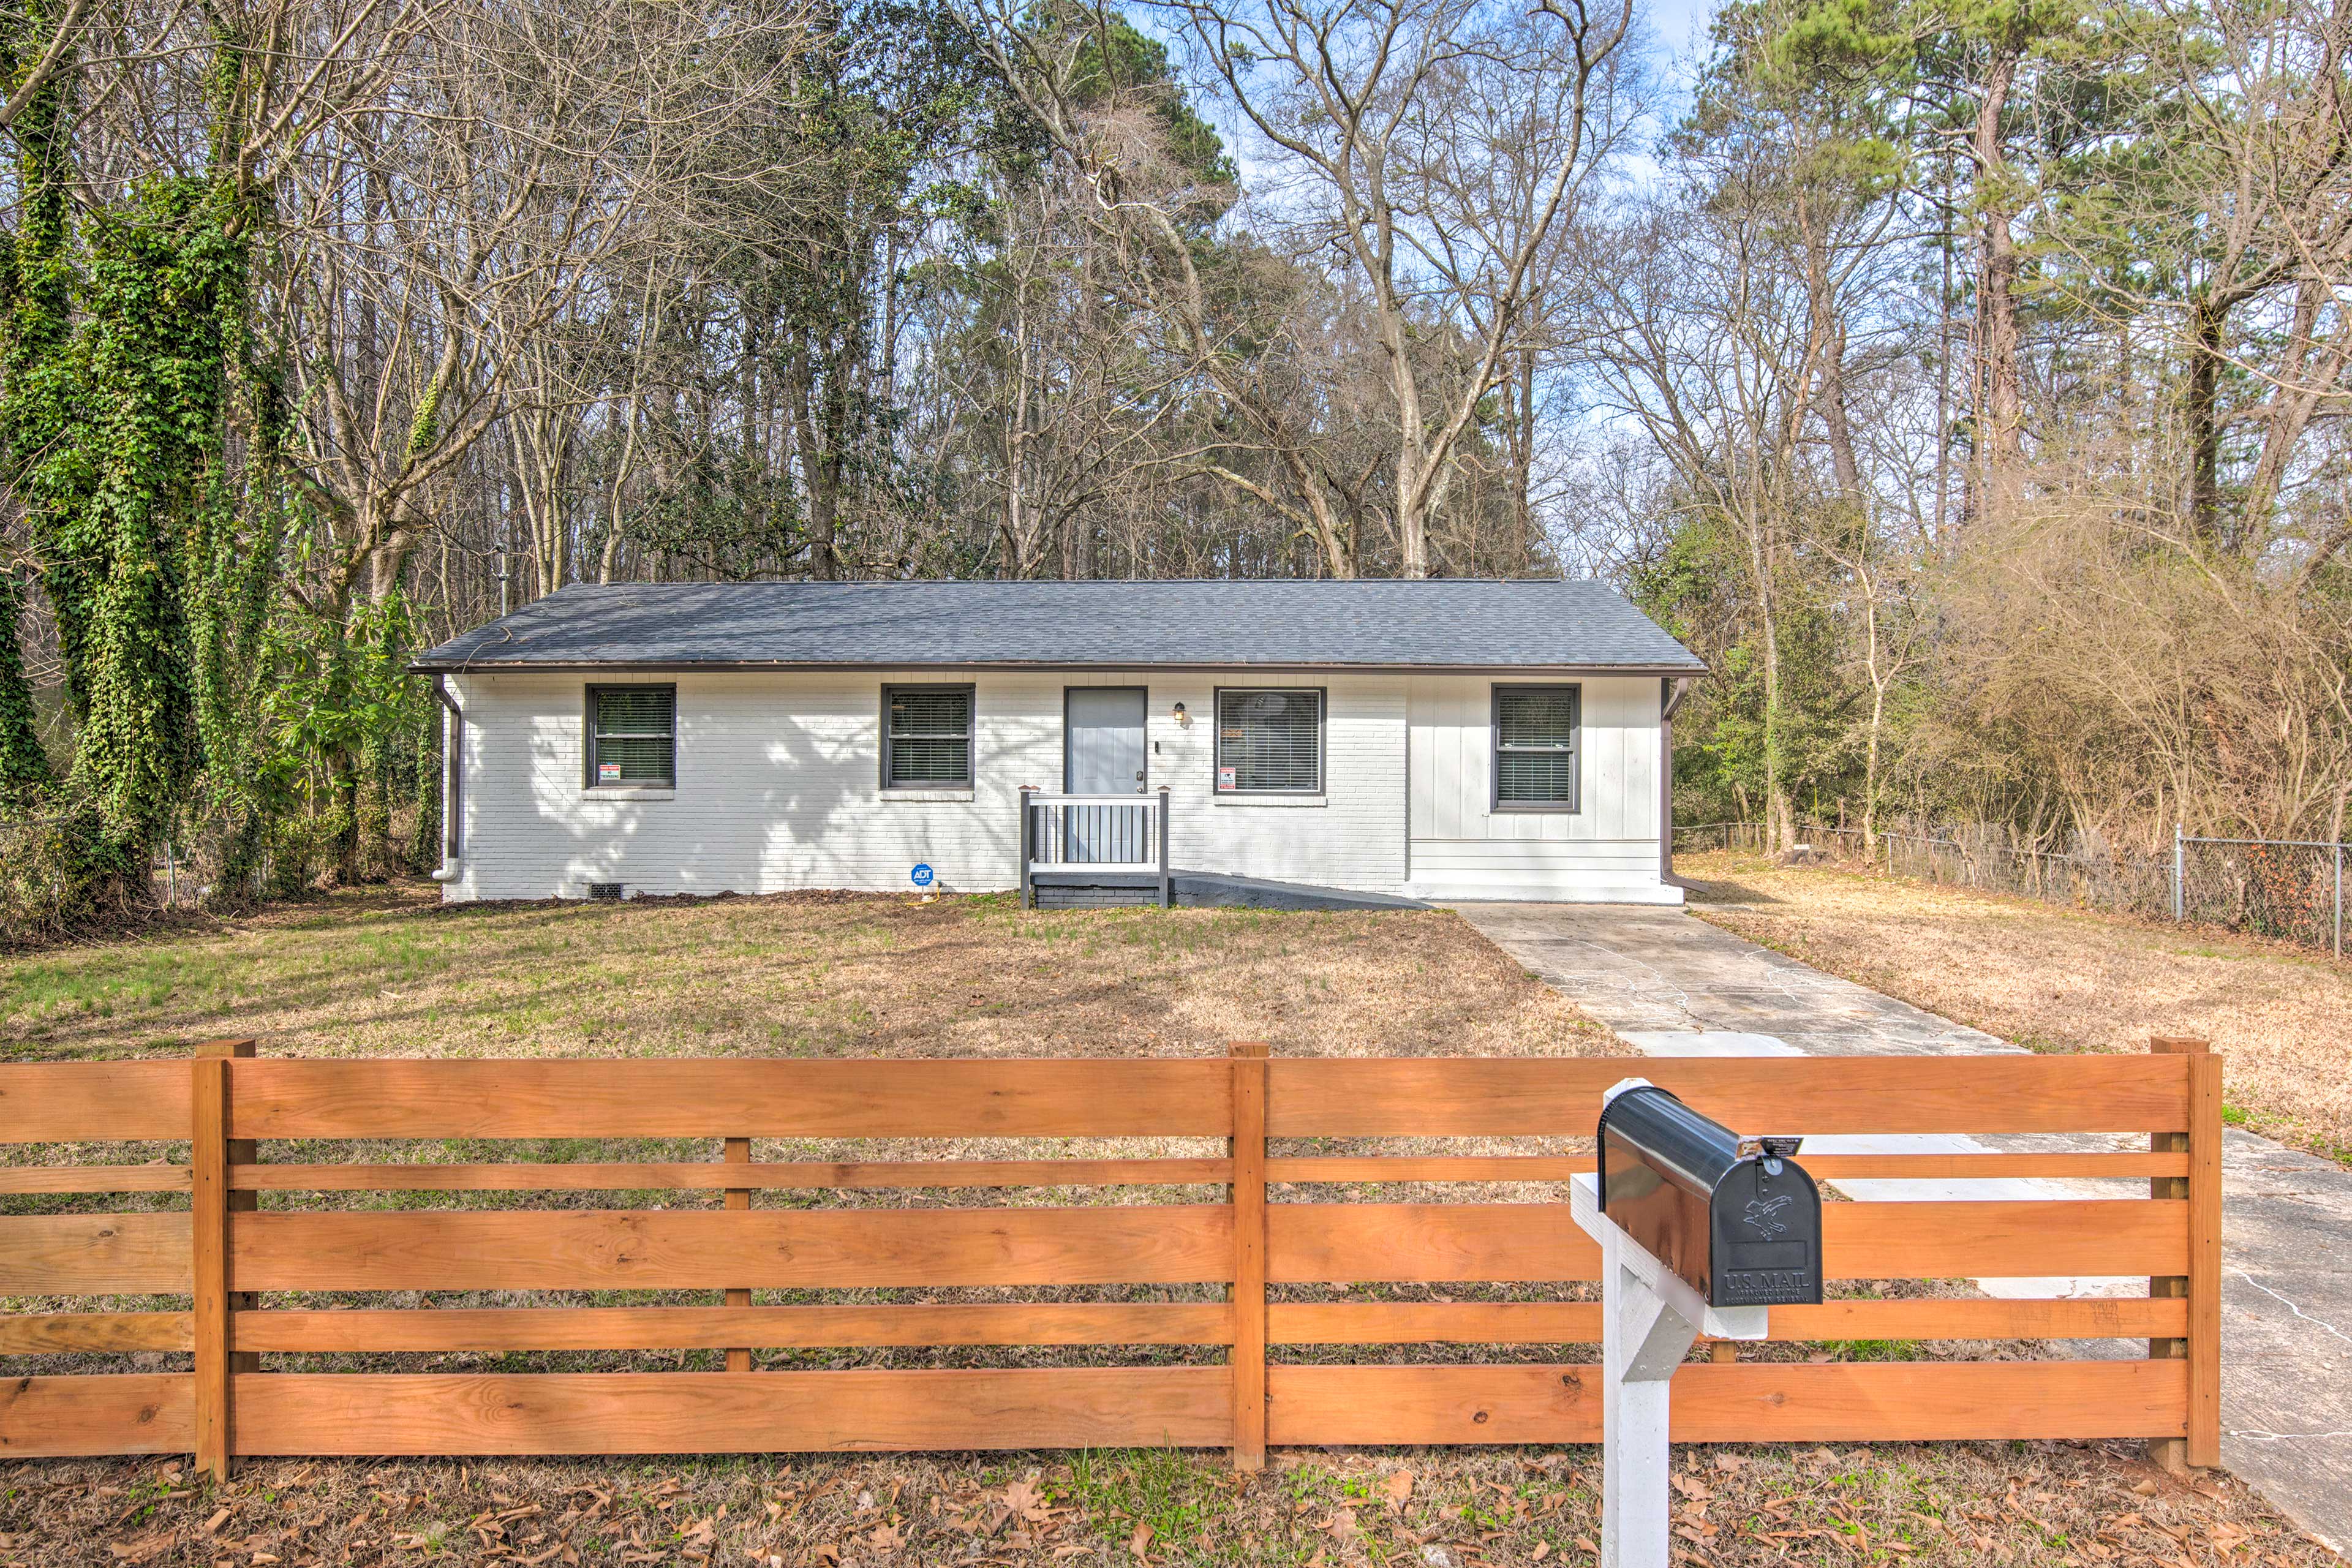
column 756, row 666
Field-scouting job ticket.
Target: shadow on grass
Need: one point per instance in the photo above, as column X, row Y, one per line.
column 1724, row 890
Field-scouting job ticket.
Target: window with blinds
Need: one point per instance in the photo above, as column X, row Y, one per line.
column 632, row 735
column 1535, row 747
column 926, row 739
column 1269, row 741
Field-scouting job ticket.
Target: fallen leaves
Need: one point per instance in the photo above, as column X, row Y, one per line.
column 1934, row 1506
column 152, row 1544
column 1024, row 1500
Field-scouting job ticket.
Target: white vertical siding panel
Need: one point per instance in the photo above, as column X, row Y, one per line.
column 1607, row 807
column 1471, row 772
column 1444, row 763
column 1608, row 850
column 1642, row 736
column 1421, row 750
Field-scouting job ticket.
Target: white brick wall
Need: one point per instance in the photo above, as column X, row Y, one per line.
column 778, row 787
column 1352, row 835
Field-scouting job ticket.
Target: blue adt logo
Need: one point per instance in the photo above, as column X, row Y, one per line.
column 922, row 876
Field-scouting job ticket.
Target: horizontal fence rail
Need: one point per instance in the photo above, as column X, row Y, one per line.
column 1259, row 1223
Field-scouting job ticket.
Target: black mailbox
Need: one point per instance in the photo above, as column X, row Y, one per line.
column 1737, row 1219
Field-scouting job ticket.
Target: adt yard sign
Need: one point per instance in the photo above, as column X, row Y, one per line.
column 923, row 875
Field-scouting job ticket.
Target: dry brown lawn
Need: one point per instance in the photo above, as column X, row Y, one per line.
column 392, row 973
column 2056, row 979
column 1956, row 1505
column 810, row 975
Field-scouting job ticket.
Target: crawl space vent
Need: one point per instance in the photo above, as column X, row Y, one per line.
column 604, row 890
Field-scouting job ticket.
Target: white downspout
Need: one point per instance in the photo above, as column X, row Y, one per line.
column 1671, row 692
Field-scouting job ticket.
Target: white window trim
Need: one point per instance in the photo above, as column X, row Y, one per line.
column 589, row 788
column 1496, row 804
column 1271, row 796
column 971, row 690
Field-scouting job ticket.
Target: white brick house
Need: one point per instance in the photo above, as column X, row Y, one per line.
column 1431, row 740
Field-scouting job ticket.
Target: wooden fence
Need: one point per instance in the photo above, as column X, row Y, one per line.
column 222, row 1251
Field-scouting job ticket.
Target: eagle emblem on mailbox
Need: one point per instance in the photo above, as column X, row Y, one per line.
column 1763, row 1215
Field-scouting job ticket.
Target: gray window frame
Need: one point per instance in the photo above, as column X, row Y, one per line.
column 1494, row 801
column 588, row 733
column 971, row 736
column 1217, row 742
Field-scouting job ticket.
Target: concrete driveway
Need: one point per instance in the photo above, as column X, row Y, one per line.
column 1670, row 984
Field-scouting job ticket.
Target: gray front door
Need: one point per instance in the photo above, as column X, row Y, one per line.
column 1105, row 744
column 1103, row 753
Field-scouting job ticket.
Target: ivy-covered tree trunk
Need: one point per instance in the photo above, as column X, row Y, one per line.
column 425, row 839
column 42, row 454
column 233, row 570
column 376, row 820
column 164, row 276
column 24, row 767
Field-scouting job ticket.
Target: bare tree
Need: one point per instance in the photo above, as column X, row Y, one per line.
column 1434, row 146
column 1707, row 345
column 522, row 168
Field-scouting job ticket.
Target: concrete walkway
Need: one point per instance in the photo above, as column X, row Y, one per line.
column 1673, row 986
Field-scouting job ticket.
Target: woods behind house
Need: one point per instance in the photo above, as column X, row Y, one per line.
column 1966, row 384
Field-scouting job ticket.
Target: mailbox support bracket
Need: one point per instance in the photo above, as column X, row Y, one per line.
column 1650, row 1318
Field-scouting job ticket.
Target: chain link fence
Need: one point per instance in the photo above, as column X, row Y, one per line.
column 2288, row 890
column 1703, row 836
column 1843, row 843
column 2088, row 874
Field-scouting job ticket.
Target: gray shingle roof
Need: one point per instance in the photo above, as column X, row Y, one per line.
column 1289, row 622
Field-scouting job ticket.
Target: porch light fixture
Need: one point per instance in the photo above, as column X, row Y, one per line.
column 1182, row 719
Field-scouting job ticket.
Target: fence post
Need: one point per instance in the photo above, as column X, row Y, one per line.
column 1247, row 1152
column 1027, row 845
column 212, row 1154
column 2201, row 1286
column 739, row 1199
column 2175, row 874
column 1167, row 877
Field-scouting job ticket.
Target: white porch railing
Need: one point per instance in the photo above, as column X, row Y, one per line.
column 1062, row 834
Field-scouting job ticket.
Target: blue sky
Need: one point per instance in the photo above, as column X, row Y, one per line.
column 1676, row 30
column 1680, row 25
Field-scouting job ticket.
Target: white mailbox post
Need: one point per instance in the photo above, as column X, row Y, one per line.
column 1650, row 1318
